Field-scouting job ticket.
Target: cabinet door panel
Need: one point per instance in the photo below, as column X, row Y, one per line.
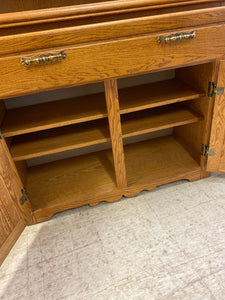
column 13, row 183
column 217, row 139
column 11, row 223
column 13, row 215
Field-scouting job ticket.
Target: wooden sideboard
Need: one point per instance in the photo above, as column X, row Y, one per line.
column 49, row 45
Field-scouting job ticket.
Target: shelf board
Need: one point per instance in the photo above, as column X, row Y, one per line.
column 89, row 179
column 76, row 136
column 60, row 139
column 71, row 182
column 157, row 119
column 156, row 94
column 54, row 114
column 158, row 161
column 60, row 113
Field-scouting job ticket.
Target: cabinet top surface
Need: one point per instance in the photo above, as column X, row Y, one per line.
column 26, row 10
column 30, row 5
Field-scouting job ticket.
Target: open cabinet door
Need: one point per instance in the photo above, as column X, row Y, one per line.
column 216, row 162
column 13, row 216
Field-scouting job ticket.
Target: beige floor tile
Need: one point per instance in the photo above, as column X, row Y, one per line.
column 156, row 286
column 58, row 267
column 84, row 235
column 36, row 290
column 195, row 291
column 62, row 287
column 216, row 284
column 94, row 269
column 55, row 246
column 183, row 275
column 210, row 264
column 14, row 285
column 36, row 280
column 16, row 260
column 165, row 244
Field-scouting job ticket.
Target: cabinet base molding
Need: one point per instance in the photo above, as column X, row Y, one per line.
column 135, row 190
column 45, row 214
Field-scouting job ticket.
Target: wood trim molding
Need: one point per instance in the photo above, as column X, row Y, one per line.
column 108, row 30
column 57, row 13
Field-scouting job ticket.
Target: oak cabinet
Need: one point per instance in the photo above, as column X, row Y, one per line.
column 144, row 135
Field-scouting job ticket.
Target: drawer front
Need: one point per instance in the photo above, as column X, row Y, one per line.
column 112, row 59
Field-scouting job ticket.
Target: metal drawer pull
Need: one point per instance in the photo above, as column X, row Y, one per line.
column 176, row 37
column 43, row 58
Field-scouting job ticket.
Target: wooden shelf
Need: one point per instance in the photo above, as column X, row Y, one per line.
column 92, row 107
column 158, row 119
column 71, row 183
column 96, row 132
column 89, row 179
column 60, row 139
column 54, row 114
column 158, row 161
column 156, row 94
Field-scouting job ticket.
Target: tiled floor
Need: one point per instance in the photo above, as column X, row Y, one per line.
column 165, row 244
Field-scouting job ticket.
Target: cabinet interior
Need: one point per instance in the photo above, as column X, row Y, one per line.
column 164, row 125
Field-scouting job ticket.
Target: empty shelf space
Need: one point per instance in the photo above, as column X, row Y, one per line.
column 54, row 114
column 70, row 182
column 156, row 94
column 60, row 139
column 158, row 161
column 157, row 119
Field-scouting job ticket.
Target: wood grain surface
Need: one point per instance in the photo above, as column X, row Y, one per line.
column 105, row 31
column 30, row 11
column 79, row 29
column 157, row 161
column 9, row 216
column 11, row 240
column 158, row 119
column 156, row 94
column 90, row 179
column 96, row 132
column 112, row 102
column 96, row 62
column 61, row 139
column 13, row 183
column 54, row 114
column 194, row 135
column 11, row 222
column 92, row 107
column 73, row 182
column 217, row 163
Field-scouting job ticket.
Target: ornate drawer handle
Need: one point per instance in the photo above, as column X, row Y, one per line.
column 43, row 58
column 176, row 37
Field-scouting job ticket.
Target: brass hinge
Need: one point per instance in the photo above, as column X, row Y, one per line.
column 1, row 135
column 215, row 90
column 24, row 196
column 207, row 152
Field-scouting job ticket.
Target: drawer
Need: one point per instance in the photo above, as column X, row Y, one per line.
column 112, row 59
